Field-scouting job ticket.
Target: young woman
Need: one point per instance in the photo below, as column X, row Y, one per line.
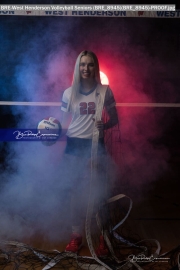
column 81, row 102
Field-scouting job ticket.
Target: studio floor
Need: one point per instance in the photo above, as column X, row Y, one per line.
column 155, row 216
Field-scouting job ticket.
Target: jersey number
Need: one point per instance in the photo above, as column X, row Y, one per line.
column 87, row 108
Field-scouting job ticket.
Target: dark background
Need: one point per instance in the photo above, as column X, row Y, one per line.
column 140, row 56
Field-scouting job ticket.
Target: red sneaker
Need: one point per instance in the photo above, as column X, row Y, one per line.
column 75, row 243
column 102, row 249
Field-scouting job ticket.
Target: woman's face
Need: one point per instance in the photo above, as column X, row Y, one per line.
column 86, row 67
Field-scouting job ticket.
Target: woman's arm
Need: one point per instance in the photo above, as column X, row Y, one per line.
column 110, row 106
column 65, row 121
column 113, row 118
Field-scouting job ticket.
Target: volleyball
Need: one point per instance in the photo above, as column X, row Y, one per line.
column 50, row 130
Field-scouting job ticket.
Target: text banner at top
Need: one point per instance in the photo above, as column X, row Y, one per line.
column 114, row 7
column 143, row 11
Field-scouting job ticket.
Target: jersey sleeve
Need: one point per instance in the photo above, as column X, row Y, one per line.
column 65, row 100
column 109, row 101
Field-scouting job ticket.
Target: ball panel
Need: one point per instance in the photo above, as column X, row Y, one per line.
column 49, row 125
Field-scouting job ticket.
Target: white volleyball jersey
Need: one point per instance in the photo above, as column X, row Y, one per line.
column 83, row 111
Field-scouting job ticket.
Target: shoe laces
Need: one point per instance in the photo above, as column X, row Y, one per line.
column 75, row 240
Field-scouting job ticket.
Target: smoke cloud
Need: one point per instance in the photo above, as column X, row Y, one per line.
column 38, row 56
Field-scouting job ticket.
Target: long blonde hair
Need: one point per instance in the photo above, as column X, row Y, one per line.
column 77, row 78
